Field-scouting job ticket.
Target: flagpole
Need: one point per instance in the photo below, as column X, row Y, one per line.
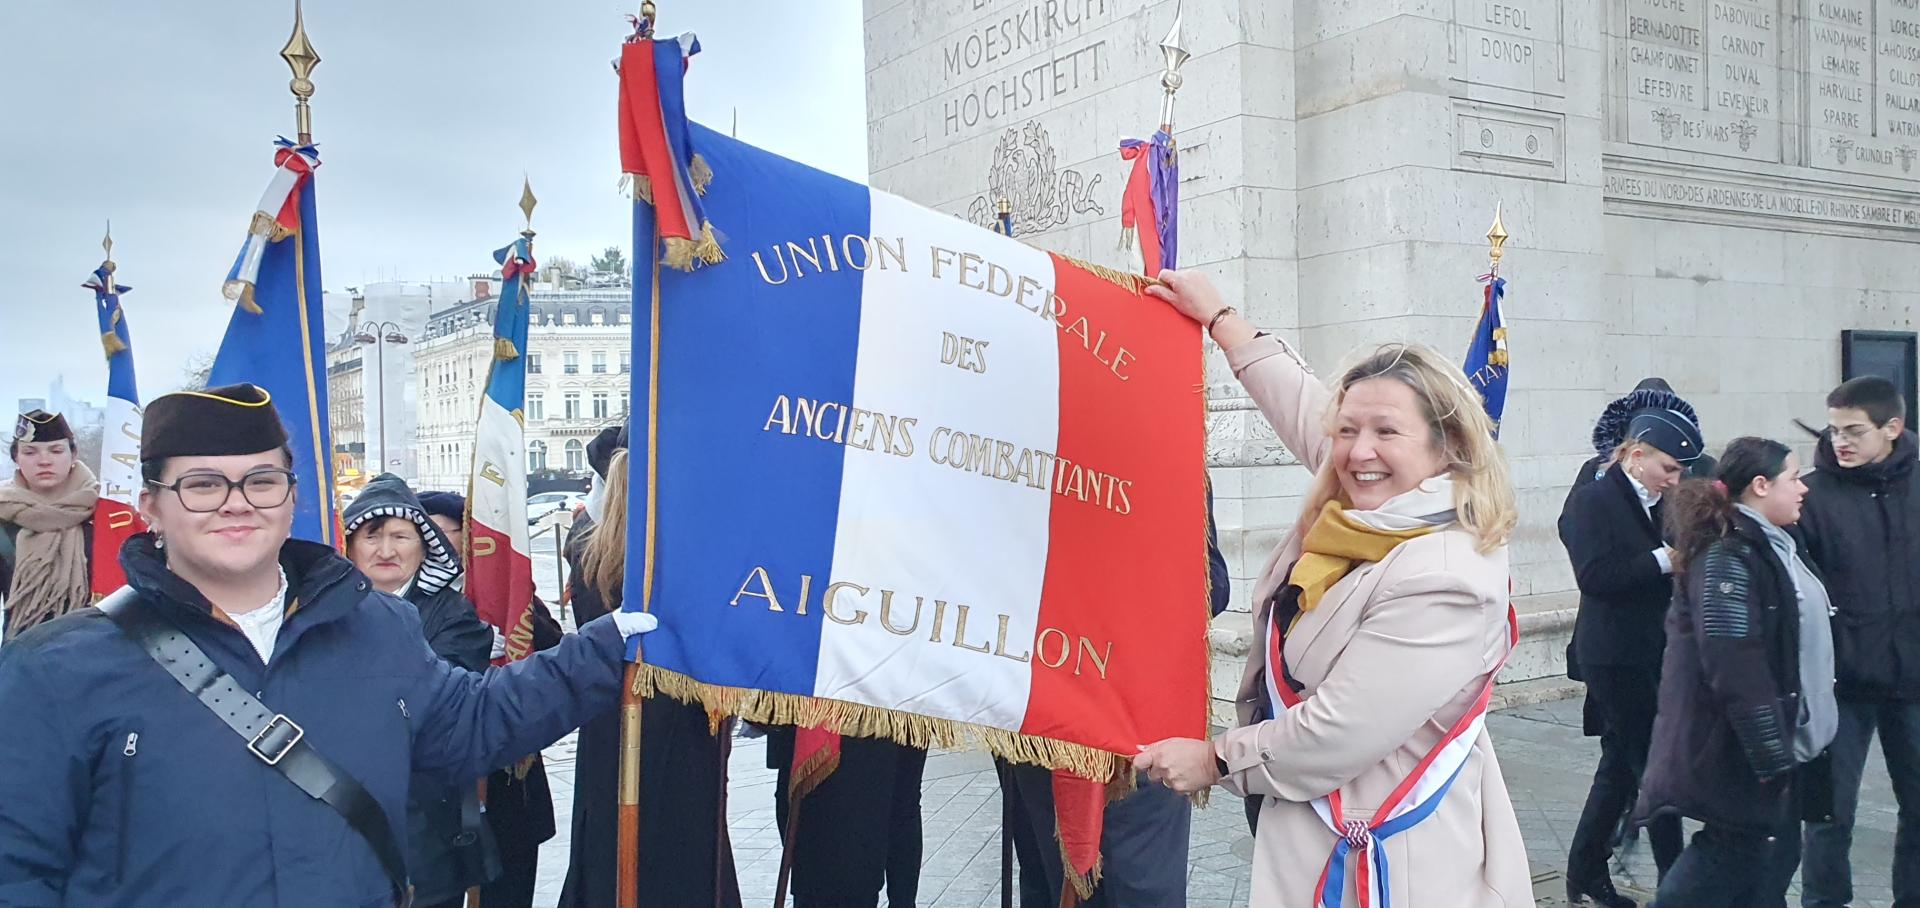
column 627, row 811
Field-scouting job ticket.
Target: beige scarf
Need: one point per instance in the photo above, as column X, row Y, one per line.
column 50, row 553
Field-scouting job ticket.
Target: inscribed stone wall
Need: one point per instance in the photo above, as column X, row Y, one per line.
column 1705, row 189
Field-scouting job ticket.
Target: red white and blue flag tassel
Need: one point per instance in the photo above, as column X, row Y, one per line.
column 500, row 560
column 656, row 146
column 276, row 217
column 115, row 514
column 1150, row 203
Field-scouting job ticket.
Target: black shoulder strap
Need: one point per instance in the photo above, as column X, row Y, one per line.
column 271, row 737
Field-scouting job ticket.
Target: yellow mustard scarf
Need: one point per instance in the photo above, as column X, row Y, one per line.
column 1335, row 546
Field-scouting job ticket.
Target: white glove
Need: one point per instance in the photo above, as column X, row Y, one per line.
column 631, row 623
column 499, row 644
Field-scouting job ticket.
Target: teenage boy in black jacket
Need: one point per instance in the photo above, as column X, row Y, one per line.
column 1861, row 523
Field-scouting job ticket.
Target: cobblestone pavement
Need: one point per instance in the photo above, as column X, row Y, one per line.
column 1546, row 762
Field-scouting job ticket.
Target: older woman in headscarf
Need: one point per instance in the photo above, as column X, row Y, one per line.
column 46, row 524
column 396, row 545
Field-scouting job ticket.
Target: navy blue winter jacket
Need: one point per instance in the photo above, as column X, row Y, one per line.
column 118, row 788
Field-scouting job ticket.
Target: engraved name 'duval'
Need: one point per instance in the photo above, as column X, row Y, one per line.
column 1052, row 647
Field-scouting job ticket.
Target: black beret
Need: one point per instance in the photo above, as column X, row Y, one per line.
column 451, row 505
column 234, row 419
column 39, row 425
column 600, row 449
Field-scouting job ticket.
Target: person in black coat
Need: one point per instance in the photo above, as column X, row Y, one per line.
column 686, row 857
column 125, row 786
column 1622, row 565
column 393, row 542
column 1862, row 526
column 1746, row 695
column 519, row 801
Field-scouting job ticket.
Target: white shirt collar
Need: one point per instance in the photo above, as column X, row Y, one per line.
column 262, row 625
column 1647, row 499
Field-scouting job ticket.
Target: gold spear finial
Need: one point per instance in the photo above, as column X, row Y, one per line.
column 1496, row 238
column 106, row 245
column 301, row 58
column 527, row 201
column 648, row 16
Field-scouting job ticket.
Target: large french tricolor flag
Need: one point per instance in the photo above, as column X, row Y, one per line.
column 115, row 514
column 500, row 563
column 900, row 466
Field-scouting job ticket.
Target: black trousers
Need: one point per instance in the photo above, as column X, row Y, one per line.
column 1143, row 843
column 859, row 831
column 1624, row 700
column 1733, row 868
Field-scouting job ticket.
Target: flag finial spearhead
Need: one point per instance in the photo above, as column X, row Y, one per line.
column 527, row 203
column 1174, row 52
column 301, row 58
column 106, row 246
column 1496, row 238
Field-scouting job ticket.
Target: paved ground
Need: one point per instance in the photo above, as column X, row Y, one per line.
column 1546, row 761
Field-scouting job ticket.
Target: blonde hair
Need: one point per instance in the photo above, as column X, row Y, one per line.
column 1483, row 496
column 603, row 558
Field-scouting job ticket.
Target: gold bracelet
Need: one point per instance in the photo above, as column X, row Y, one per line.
column 1217, row 316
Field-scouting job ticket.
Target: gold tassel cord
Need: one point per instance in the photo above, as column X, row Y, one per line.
column 862, row 721
column 246, row 301
column 700, row 173
column 642, row 187
column 503, row 350
column 111, row 342
column 708, row 249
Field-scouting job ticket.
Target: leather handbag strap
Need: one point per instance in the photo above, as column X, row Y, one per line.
column 271, row 737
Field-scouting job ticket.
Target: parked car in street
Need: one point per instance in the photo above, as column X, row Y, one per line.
column 541, row 505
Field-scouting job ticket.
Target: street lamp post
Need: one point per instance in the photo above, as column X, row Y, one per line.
column 379, row 334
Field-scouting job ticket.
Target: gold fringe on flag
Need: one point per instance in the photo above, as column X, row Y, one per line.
column 700, row 173
column 862, row 721
column 1083, row 885
column 111, row 342
column 682, row 254
column 246, row 300
column 641, row 187
column 1132, row 283
column 503, row 350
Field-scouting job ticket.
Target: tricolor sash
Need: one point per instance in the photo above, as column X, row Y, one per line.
column 1413, row 800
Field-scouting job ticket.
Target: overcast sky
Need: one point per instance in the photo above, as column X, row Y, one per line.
column 161, row 116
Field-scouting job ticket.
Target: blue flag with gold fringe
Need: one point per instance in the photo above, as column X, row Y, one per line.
column 1486, row 365
column 277, row 337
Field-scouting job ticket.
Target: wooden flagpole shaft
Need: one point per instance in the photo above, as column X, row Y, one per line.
column 628, row 840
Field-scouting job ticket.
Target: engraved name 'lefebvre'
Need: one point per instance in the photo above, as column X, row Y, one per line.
column 799, row 259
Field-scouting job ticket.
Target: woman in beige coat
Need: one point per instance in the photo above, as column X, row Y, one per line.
column 1391, row 599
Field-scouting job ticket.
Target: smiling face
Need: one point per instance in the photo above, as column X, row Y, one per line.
column 235, row 540
column 388, row 550
column 44, row 466
column 1383, row 445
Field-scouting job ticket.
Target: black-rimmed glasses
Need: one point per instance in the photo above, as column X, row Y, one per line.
column 204, row 493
